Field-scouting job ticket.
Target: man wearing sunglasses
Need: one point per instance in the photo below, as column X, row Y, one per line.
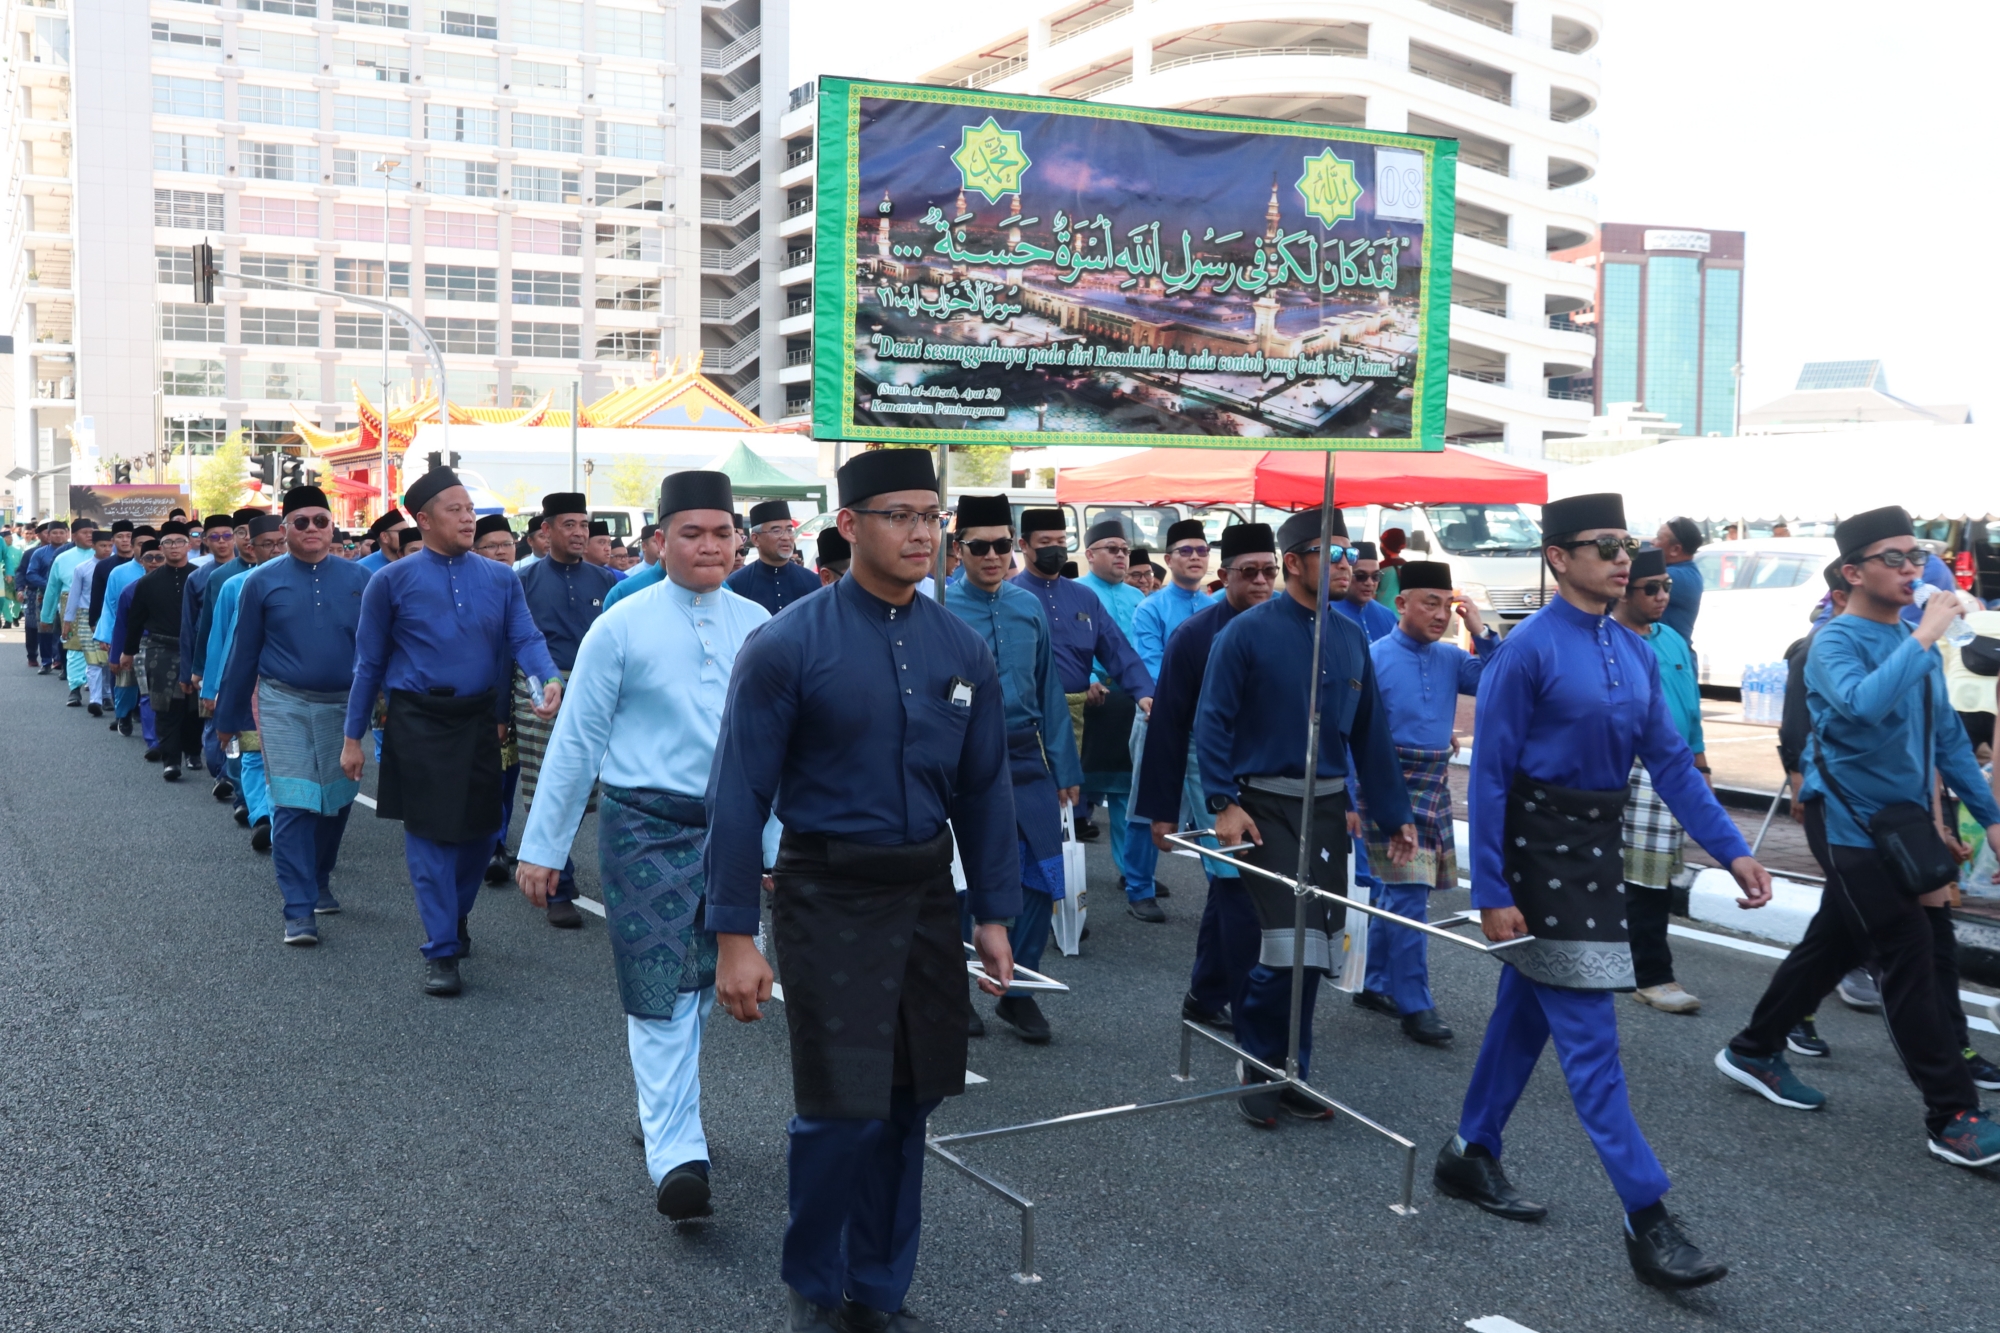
column 1565, row 706
column 1883, row 733
column 1358, row 602
column 1041, row 749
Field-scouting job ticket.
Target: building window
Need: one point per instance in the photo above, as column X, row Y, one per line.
column 530, row 76
column 555, row 23
column 460, row 282
column 370, row 60
column 296, row 380
column 461, row 124
column 469, row 337
column 278, row 106
column 363, row 222
column 1673, row 338
column 279, row 162
column 356, row 166
column 470, row 180
column 620, row 189
column 280, row 328
column 279, row 217
column 185, row 378
column 461, row 18
column 545, row 185
column 545, row 236
column 363, row 333
column 545, row 339
column 462, row 231
column 452, row 69
column 187, row 209
column 1619, row 322
column 629, row 345
column 177, row 96
column 363, row 277
column 370, row 115
column 1720, row 318
column 548, row 134
column 614, row 293
column 632, row 92
column 618, row 139
column 270, row 433
column 196, row 435
column 294, row 269
column 639, row 244
column 190, row 323
column 631, row 32
column 198, row 153
column 187, row 41
column 174, row 265
column 379, row 13
column 278, row 50
column 304, row 9
column 542, row 287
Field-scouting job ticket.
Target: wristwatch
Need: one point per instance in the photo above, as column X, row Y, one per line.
column 1217, row 804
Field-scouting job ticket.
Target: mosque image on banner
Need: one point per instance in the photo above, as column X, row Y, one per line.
column 991, row 268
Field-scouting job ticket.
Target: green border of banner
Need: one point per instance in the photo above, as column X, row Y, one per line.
column 837, row 183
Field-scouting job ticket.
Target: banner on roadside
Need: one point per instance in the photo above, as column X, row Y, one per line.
column 992, row 268
column 138, row 503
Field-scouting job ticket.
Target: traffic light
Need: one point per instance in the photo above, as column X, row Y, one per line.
column 260, row 473
column 204, row 274
column 291, row 471
column 121, row 474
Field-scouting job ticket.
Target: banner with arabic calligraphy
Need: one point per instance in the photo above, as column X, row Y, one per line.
column 1001, row 269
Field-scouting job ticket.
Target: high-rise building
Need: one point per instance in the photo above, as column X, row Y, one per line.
column 560, row 190
column 1514, row 83
column 1669, row 323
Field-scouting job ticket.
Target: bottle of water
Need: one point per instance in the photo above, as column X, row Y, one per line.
column 1958, row 633
column 1753, row 693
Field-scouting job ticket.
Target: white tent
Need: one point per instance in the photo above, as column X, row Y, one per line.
column 1932, row 471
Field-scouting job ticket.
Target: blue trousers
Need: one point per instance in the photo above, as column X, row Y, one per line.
column 255, row 790
column 510, row 782
column 212, row 757
column 1584, row 1025
column 46, row 644
column 666, row 1069
column 856, row 1196
column 149, row 722
column 1225, row 947
column 1114, row 822
column 1030, row 935
column 1263, row 1017
column 124, row 700
column 232, row 769
column 1398, row 959
column 446, row 877
column 304, row 847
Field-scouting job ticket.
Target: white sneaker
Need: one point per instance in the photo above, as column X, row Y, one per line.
column 1669, row 998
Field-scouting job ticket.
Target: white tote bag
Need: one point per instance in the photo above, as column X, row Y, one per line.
column 1072, row 911
column 1353, row 967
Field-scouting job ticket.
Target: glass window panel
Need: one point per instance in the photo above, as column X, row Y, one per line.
column 1720, row 318
column 178, row 96
column 278, row 50
column 1618, row 323
column 1673, row 338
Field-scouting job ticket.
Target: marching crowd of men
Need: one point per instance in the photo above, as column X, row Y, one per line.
column 822, row 746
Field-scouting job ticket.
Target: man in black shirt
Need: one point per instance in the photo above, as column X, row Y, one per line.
column 156, row 620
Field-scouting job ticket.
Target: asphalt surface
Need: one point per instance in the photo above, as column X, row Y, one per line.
column 206, row 1130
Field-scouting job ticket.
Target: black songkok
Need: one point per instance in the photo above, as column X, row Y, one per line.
column 881, row 471
column 265, row 524
column 1649, row 563
column 490, row 524
column 1302, row 529
column 696, row 489
column 1041, row 520
column 1865, row 529
column 145, row 530
column 150, row 544
column 600, row 528
column 429, row 486
column 214, row 521
column 173, row 527
column 564, row 502
column 393, row 519
column 833, row 547
column 1247, row 539
column 983, row 511
column 1581, row 513
column 1142, row 556
column 1424, row 574
column 1366, row 551
column 1104, row 530
column 1188, row 529
column 305, row 497
column 243, row 518
column 770, row 511
column 122, row 525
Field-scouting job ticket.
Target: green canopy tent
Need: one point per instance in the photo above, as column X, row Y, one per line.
column 754, row 477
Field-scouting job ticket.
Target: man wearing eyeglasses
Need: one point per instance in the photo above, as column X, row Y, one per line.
column 1167, row 790
column 1883, row 733
column 1565, row 705
column 125, row 694
column 774, row 582
column 866, row 716
column 1041, row 749
column 266, row 542
column 1358, row 602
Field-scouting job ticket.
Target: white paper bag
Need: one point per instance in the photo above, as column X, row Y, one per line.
column 1353, row 972
column 1071, row 910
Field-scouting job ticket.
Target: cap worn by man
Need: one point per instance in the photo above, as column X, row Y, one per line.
column 1302, row 529
column 983, row 511
column 429, row 486
column 1418, row 574
column 305, row 497
column 1104, row 530
column 1247, row 539
column 1857, row 534
column 1583, row 513
column 883, row 472
column 1650, row 563
column 770, row 511
column 696, row 489
column 1188, row 530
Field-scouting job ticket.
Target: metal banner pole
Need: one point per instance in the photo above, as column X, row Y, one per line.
column 1312, row 774
column 575, row 410
column 944, row 532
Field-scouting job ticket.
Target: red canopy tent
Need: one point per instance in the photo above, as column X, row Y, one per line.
column 1296, row 479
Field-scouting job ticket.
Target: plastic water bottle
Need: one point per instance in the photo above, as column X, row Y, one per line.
column 1753, row 692
column 1958, row 633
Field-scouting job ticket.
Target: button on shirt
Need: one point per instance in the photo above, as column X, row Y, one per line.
column 295, row 624
column 841, row 715
column 1017, row 634
column 1421, row 683
column 1159, row 616
column 565, row 601
column 774, row 587
column 1571, row 698
column 452, row 622
column 1081, row 631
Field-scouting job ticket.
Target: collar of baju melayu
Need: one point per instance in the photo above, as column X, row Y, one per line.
column 1570, row 613
column 688, row 596
column 1408, row 644
column 863, row 600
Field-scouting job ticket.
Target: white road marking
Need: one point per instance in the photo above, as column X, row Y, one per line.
column 590, row 905
column 1496, row 1323
column 368, row 801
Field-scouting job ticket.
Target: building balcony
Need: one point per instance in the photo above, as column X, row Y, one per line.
column 796, row 322
column 798, row 273
column 798, row 224
column 1529, row 339
column 797, row 374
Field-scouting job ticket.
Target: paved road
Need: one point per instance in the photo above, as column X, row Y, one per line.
column 205, row 1130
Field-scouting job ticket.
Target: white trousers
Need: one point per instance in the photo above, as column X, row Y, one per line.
column 666, row 1066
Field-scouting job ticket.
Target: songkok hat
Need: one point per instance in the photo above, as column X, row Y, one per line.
column 78, row 525
column 1835, row 580
column 880, row 471
column 489, row 524
column 1650, row 563
column 983, row 511
column 265, row 524
column 173, row 527
column 600, row 528
column 1141, row 556
column 696, row 489
column 1425, row 574
column 146, row 530
column 1302, row 529
column 175, row 512
column 429, row 486
column 305, row 497
column 833, row 548
column 738, row 520
column 244, row 517
column 393, row 519
column 150, row 544
column 1104, row 530
column 1041, row 520
column 1366, row 551
column 770, row 511
column 1247, row 539
column 1865, row 529
column 1187, row 528
column 122, row 525
column 1581, row 513
column 214, row 521
column 103, row 535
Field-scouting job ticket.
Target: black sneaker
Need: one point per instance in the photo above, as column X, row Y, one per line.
column 223, row 790
column 1805, row 1040
column 96, row 709
column 170, row 772
column 125, row 725
column 1985, row 1073
column 1147, row 910
column 441, row 977
column 1194, row 1013
column 260, row 836
column 242, row 816
column 1259, row 1108
column 1301, row 1107
column 1021, row 1013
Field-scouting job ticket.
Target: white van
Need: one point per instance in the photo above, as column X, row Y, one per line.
column 1494, row 550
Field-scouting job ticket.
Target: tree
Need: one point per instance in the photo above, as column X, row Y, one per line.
column 634, row 481
column 519, row 497
column 218, row 480
column 981, row 465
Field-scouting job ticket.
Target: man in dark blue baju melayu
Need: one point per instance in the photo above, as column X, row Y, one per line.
column 773, row 580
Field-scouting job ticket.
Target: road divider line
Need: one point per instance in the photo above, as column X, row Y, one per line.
column 1496, row 1323
column 368, row 801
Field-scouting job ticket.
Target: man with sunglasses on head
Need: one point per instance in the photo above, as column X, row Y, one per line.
column 1358, row 601
column 1041, row 749
column 774, row 581
column 1167, row 789
column 1882, row 735
column 1565, row 706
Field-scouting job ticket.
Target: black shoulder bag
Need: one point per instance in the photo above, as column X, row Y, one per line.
column 1905, row 833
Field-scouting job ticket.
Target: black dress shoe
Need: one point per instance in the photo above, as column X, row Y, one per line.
column 441, row 977
column 563, row 914
column 96, row 709
column 1376, row 1000
column 464, row 939
column 853, row 1317
column 46, row 671
column 223, row 790
column 1477, row 1178
column 1194, row 1013
column 242, row 816
column 170, row 772
column 1021, row 1013
column 75, row 699
column 1663, row 1256
column 125, row 725
column 1086, row 831
column 974, row 1026
column 684, row 1192
column 497, row 869
column 1147, row 910
column 114, row 726
column 1426, row 1028
column 1160, row 890
column 802, row 1316
column 260, row 836
column 152, row 755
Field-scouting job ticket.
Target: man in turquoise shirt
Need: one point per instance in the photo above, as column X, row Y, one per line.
column 1153, row 624
column 1109, row 551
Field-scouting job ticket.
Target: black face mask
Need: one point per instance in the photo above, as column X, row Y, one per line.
column 1049, row 560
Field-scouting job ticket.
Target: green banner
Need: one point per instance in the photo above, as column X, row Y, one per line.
column 1000, row 269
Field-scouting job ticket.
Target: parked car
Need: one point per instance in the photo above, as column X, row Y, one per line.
column 1757, row 596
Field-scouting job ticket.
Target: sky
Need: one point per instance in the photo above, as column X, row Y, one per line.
column 1848, row 140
